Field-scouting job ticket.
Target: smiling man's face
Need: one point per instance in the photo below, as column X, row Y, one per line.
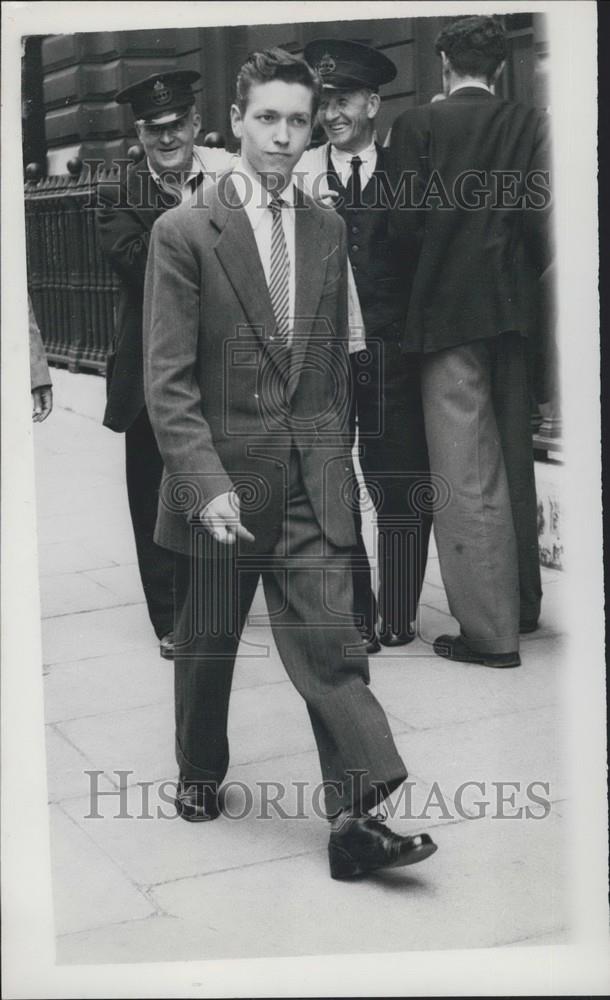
column 274, row 128
column 348, row 118
column 169, row 147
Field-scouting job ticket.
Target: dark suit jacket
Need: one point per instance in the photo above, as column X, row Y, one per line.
column 125, row 216
column 226, row 403
column 464, row 264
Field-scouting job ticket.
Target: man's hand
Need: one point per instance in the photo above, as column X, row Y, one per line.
column 42, row 403
column 221, row 519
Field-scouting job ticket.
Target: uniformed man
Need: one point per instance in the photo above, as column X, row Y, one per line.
column 393, row 454
column 167, row 123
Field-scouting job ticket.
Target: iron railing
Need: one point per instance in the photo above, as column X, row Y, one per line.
column 73, row 290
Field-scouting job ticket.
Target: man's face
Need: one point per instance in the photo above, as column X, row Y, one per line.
column 274, row 129
column 170, row 147
column 348, row 118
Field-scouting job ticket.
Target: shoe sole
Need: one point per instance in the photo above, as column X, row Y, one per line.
column 165, row 655
column 488, row 663
column 443, row 652
column 343, row 866
column 483, row 663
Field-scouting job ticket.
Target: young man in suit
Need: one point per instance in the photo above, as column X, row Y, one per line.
column 167, row 124
column 247, row 386
column 391, row 438
column 478, row 205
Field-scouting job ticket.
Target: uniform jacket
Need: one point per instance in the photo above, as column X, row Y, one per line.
column 127, row 210
column 463, row 264
column 226, row 403
column 373, row 253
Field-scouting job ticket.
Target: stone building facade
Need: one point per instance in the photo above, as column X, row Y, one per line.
column 70, row 80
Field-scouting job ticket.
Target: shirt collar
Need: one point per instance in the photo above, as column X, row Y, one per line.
column 471, row 83
column 253, row 196
column 341, row 157
column 198, row 166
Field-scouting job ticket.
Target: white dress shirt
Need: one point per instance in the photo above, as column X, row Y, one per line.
column 342, row 162
column 255, row 200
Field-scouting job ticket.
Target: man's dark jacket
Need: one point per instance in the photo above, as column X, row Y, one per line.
column 127, row 210
column 464, row 264
column 374, row 256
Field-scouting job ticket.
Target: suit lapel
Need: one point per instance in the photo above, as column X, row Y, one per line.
column 310, row 271
column 310, row 258
column 237, row 252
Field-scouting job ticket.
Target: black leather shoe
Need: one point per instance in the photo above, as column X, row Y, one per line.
column 166, row 646
column 454, row 647
column 363, row 844
column 197, row 801
column 387, row 637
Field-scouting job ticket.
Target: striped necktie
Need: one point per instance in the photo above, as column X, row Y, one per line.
column 279, row 278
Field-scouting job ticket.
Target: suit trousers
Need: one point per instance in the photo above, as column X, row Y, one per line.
column 307, row 588
column 395, row 468
column 144, row 468
column 477, row 416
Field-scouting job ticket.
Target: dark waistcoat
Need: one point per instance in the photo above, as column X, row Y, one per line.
column 378, row 270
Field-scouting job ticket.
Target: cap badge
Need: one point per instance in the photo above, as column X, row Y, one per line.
column 326, row 65
column 161, row 94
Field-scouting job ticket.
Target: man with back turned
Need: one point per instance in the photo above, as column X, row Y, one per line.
column 477, row 211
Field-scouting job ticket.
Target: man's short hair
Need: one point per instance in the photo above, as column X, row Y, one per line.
column 276, row 64
column 475, row 46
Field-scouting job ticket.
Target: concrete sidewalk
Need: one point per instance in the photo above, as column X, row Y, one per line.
column 157, row 889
